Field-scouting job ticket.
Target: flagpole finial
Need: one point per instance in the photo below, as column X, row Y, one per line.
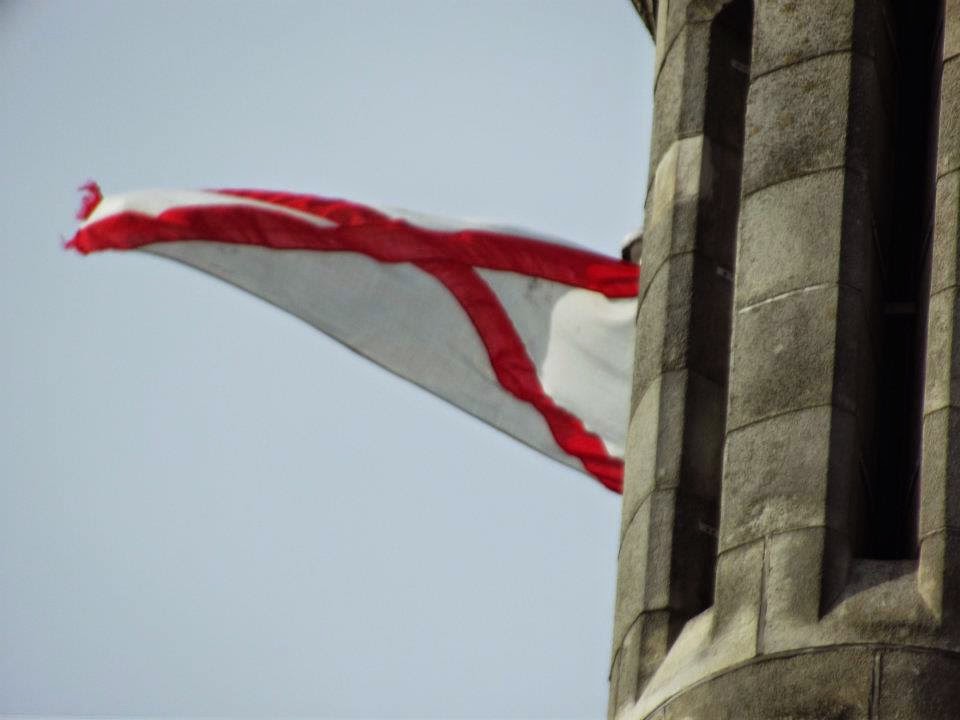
column 632, row 248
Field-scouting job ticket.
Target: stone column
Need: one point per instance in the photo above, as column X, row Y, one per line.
column 939, row 532
column 668, row 535
column 806, row 618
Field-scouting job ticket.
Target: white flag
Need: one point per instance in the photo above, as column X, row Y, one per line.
column 532, row 336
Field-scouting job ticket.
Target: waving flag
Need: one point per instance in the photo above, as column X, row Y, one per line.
column 532, row 336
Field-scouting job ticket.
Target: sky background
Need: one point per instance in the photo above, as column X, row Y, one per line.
column 206, row 507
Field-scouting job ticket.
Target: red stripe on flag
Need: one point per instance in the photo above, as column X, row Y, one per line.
column 449, row 257
column 517, row 373
column 364, row 231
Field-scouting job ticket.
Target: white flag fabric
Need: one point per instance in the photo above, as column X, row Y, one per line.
column 532, row 336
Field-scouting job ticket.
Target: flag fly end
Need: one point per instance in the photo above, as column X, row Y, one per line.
column 89, row 200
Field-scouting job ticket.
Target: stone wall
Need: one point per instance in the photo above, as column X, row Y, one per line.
column 766, row 461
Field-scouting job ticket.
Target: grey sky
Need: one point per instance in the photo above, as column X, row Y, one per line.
column 205, row 507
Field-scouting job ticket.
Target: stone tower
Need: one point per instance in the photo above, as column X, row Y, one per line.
column 790, row 543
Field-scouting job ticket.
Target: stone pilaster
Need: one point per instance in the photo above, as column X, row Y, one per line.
column 668, row 534
column 939, row 531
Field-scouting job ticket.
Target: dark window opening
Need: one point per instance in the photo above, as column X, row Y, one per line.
column 905, row 251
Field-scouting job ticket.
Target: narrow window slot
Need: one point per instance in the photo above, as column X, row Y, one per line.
column 905, row 249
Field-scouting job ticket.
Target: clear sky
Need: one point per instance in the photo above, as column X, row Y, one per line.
column 207, row 508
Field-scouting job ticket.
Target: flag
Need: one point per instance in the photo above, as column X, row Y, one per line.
column 532, row 336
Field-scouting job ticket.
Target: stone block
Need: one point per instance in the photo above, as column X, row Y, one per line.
column 940, row 478
column 880, row 603
column 632, row 571
column 663, row 322
column 644, row 646
column 948, row 153
column 946, row 233
column 796, row 121
column 614, row 680
column 681, row 181
column 918, row 685
column 938, row 579
column 679, row 96
column 943, row 352
column 790, row 236
column 951, row 29
column 738, row 594
column 776, row 474
column 783, row 355
column 652, row 324
column 655, row 439
column 644, row 564
column 667, row 101
column 806, row 571
column 673, row 23
column 831, row 685
column 787, row 31
column 678, row 272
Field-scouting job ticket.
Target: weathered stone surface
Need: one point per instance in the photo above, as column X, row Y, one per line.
column 940, row 482
column 650, row 334
column 783, row 355
column 806, row 571
column 951, row 29
column 788, row 31
column 946, row 233
column 679, row 97
column 612, row 696
column 776, row 473
column 918, row 685
column 675, row 436
column 938, row 579
column 830, row 685
column 664, row 322
column 801, row 626
column 949, row 148
column 681, row 179
column 880, row 603
column 632, row 574
column 648, row 13
column 943, row 352
column 668, row 31
column 796, row 121
column 655, row 440
column 790, row 236
column 643, row 582
column 667, row 102
column 738, row 597
column 644, row 646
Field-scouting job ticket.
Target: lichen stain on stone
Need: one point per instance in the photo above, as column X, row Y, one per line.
column 785, row 120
